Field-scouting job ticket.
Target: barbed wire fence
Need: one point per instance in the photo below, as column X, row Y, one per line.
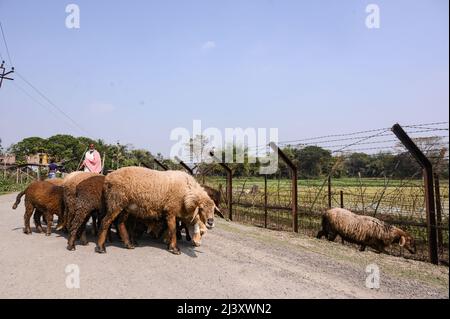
column 379, row 191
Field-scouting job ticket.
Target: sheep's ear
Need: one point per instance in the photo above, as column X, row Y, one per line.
column 218, row 212
column 402, row 241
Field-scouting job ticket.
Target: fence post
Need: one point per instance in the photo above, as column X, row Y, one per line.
column 342, row 198
column 17, row 175
column 438, row 212
column 265, row 200
column 429, row 189
column 185, row 166
column 229, row 185
column 329, row 191
column 164, row 167
column 293, row 169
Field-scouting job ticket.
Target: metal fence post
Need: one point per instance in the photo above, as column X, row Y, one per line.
column 164, row 167
column 229, row 185
column 293, row 169
column 429, row 189
column 329, row 191
column 185, row 166
column 265, row 200
column 438, row 212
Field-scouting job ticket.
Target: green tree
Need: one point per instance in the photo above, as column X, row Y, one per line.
column 313, row 161
column 28, row 146
column 357, row 163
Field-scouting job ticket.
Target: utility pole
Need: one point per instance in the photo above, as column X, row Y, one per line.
column 3, row 73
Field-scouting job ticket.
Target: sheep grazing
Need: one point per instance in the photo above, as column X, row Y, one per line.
column 70, row 184
column 88, row 199
column 45, row 198
column 363, row 230
column 147, row 193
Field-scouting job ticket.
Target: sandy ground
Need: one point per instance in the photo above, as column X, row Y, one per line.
column 235, row 261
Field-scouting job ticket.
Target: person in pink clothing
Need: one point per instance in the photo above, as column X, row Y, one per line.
column 92, row 161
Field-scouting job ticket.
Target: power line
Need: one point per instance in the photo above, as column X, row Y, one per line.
column 53, row 104
column 35, row 100
column 6, row 44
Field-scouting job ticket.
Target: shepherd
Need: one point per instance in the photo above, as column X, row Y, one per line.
column 92, row 161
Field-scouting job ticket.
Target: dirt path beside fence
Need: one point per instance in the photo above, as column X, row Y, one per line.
column 235, row 261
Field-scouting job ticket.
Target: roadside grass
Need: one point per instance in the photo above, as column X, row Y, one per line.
column 8, row 186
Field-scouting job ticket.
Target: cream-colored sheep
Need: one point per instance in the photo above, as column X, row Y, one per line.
column 147, row 193
column 363, row 230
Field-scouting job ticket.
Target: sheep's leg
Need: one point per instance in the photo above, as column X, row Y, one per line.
column 82, row 233
column 59, row 223
column 37, row 221
column 49, row 219
column 109, row 236
column 179, row 227
column 188, row 236
column 106, row 222
column 73, row 235
column 29, row 208
column 94, row 223
column 320, row 234
column 362, row 248
column 172, row 233
column 123, row 231
column 332, row 236
column 130, row 226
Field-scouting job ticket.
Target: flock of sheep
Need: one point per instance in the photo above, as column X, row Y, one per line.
column 135, row 199
column 162, row 203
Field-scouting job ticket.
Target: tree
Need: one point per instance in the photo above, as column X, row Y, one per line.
column 28, row 146
column 313, row 161
column 197, row 146
column 357, row 163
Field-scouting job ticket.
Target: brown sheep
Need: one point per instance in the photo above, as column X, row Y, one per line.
column 147, row 193
column 55, row 181
column 363, row 230
column 88, row 199
column 70, row 184
column 44, row 197
column 37, row 214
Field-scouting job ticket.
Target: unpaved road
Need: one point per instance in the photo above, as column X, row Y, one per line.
column 235, row 261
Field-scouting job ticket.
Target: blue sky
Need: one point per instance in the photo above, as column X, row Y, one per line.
column 137, row 69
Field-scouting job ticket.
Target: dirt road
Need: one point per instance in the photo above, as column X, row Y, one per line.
column 235, row 261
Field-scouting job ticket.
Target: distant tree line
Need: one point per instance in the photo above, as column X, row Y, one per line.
column 311, row 161
column 67, row 151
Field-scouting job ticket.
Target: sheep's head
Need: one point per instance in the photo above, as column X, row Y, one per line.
column 198, row 229
column 204, row 207
column 408, row 242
